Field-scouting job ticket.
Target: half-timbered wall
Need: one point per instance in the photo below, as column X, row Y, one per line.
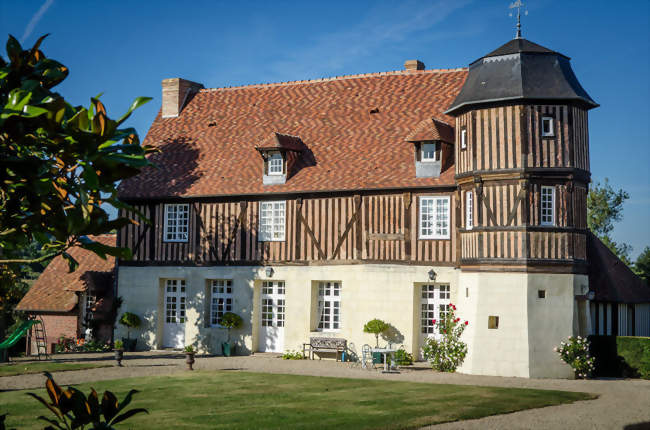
column 509, row 137
column 327, row 230
column 506, row 222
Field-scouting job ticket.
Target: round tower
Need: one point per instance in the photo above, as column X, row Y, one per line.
column 522, row 169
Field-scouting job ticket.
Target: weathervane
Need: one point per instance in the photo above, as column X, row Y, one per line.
column 518, row 5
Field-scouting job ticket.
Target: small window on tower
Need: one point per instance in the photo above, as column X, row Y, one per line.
column 463, row 138
column 547, row 127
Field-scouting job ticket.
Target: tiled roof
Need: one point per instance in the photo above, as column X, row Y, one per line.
column 610, row 278
column 282, row 141
column 432, row 129
column 353, row 128
column 55, row 290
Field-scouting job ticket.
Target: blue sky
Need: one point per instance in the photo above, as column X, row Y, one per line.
column 124, row 49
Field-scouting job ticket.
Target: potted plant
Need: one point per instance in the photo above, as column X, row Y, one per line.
column 129, row 320
column 230, row 321
column 189, row 356
column 119, row 352
column 376, row 327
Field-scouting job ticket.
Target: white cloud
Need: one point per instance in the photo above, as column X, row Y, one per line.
column 380, row 27
column 35, row 19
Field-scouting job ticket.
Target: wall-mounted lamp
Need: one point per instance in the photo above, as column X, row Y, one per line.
column 432, row 275
column 269, row 272
column 591, row 295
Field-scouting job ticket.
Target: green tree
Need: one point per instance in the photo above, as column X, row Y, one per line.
column 376, row 327
column 604, row 208
column 642, row 265
column 59, row 165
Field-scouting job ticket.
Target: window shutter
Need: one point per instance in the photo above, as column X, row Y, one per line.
column 418, row 152
column 438, row 145
column 266, row 163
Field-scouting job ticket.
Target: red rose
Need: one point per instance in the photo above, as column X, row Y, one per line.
column 466, row 322
column 433, row 322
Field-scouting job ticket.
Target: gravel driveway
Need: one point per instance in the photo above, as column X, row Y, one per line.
column 622, row 404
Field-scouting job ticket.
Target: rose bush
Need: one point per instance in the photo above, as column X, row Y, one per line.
column 446, row 352
column 575, row 353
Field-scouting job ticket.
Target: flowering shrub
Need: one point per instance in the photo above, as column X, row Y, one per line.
column 70, row 344
column 446, row 352
column 575, row 353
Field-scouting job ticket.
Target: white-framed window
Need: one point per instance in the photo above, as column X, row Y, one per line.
column 89, row 302
column 428, row 152
column 276, row 163
column 547, row 206
column 175, row 296
column 221, row 299
column 434, row 306
column 329, row 306
column 177, row 217
column 272, row 221
column 434, row 218
column 273, row 304
column 469, row 210
column 463, row 138
column 548, row 130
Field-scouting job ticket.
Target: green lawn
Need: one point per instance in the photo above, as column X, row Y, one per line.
column 241, row 400
column 44, row 366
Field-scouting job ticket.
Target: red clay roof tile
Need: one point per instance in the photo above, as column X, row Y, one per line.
column 209, row 149
column 432, row 129
column 55, row 290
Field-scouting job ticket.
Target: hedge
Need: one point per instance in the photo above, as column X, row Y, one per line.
column 621, row 356
column 636, row 352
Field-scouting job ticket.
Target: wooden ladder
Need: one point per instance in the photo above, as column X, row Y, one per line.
column 41, row 339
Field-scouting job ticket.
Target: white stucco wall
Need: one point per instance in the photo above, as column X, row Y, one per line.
column 387, row 292
column 522, row 345
column 529, row 326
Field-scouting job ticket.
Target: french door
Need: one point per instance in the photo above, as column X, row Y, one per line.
column 174, row 327
column 434, row 304
column 272, row 317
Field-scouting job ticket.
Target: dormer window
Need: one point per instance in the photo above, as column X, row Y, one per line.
column 276, row 164
column 429, row 152
column 547, row 127
column 280, row 153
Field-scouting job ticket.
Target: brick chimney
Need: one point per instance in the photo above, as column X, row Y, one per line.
column 175, row 93
column 413, row 65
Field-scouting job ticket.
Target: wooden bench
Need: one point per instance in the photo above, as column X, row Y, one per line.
column 324, row 344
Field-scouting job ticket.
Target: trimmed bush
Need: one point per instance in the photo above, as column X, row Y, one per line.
column 636, row 353
column 617, row 356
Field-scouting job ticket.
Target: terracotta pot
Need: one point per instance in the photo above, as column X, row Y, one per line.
column 189, row 360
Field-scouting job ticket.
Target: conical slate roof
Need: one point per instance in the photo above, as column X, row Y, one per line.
column 520, row 70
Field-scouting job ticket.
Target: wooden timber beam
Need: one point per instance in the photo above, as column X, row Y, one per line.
column 348, row 227
column 240, row 219
column 308, row 230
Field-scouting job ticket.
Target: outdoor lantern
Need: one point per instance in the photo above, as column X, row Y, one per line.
column 432, row 275
column 269, row 272
column 591, row 295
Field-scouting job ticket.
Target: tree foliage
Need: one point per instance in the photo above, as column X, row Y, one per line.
column 642, row 265
column 60, row 163
column 604, row 208
column 376, row 327
column 73, row 410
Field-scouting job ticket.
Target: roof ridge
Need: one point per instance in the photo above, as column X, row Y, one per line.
column 335, row 78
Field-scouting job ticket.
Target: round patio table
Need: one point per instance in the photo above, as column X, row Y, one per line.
column 385, row 352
